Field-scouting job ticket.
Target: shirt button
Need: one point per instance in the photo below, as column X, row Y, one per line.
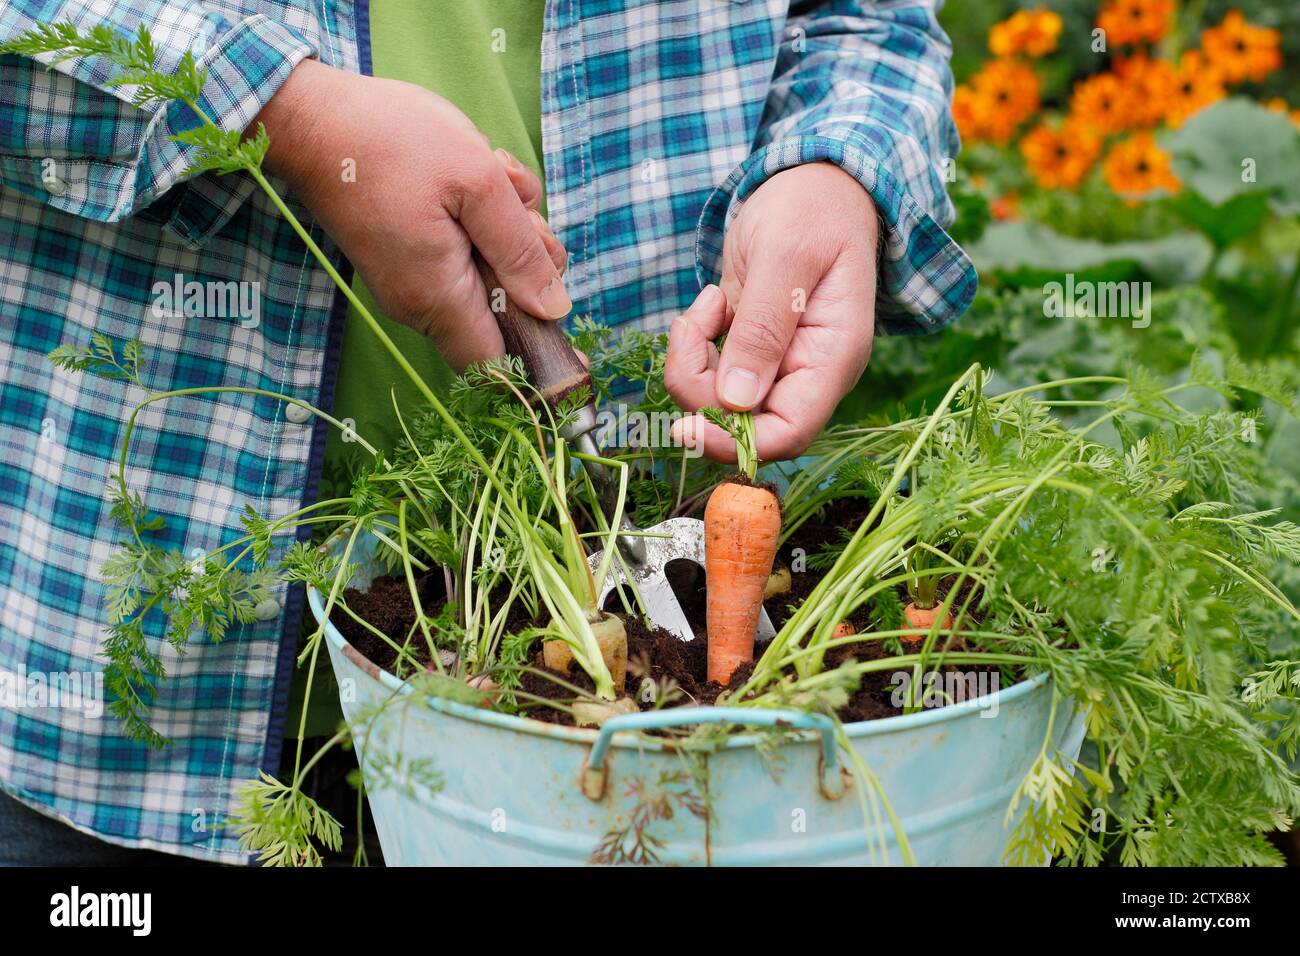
column 54, row 185
column 267, row 610
column 297, row 414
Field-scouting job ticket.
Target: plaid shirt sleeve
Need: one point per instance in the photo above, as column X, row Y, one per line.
column 75, row 142
column 867, row 86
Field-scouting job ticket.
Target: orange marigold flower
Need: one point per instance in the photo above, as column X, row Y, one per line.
column 1032, row 32
column 1279, row 105
column 1060, row 158
column 1135, row 21
column 1196, row 86
column 1006, row 94
column 1102, row 103
column 1137, row 167
column 1006, row 207
column 1149, row 85
column 966, row 113
column 1240, row 51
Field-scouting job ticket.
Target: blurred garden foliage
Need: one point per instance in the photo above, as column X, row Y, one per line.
column 1170, row 157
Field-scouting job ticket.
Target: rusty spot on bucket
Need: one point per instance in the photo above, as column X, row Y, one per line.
column 363, row 662
column 592, row 782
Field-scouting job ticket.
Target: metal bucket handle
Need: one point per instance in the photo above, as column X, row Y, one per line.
column 833, row 781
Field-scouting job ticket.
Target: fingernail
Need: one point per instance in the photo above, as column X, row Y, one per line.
column 556, row 303
column 684, row 432
column 740, row 388
column 505, row 157
column 710, row 296
column 537, row 216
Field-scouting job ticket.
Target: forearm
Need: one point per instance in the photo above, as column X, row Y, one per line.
column 292, row 119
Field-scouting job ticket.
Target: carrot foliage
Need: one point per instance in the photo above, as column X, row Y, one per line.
column 1125, row 555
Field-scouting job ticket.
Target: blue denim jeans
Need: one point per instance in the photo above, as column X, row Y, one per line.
column 29, row 838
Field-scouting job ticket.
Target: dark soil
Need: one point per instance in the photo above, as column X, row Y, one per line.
column 387, row 606
column 677, row 668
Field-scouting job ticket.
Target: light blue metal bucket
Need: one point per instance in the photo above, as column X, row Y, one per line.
column 516, row 791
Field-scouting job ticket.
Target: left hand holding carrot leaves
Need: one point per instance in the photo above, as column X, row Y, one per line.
column 797, row 302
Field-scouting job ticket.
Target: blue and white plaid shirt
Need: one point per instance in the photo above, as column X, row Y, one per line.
column 658, row 118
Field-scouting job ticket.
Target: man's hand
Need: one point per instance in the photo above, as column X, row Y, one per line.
column 408, row 188
column 798, row 304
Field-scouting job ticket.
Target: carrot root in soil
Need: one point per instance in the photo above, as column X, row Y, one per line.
column 742, row 524
column 779, row 582
column 611, row 638
column 921, row 619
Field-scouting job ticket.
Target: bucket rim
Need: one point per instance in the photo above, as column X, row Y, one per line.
column 625, row 740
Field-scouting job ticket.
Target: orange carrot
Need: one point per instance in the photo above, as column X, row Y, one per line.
column 922, row 619
column 844, row 629
column 742, row 523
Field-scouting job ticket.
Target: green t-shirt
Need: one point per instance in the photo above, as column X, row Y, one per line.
column 485, row 57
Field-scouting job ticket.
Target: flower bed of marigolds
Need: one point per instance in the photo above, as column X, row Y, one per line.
column 1129, row 188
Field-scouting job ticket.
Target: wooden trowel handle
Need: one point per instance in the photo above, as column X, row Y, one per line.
column 548, row 357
